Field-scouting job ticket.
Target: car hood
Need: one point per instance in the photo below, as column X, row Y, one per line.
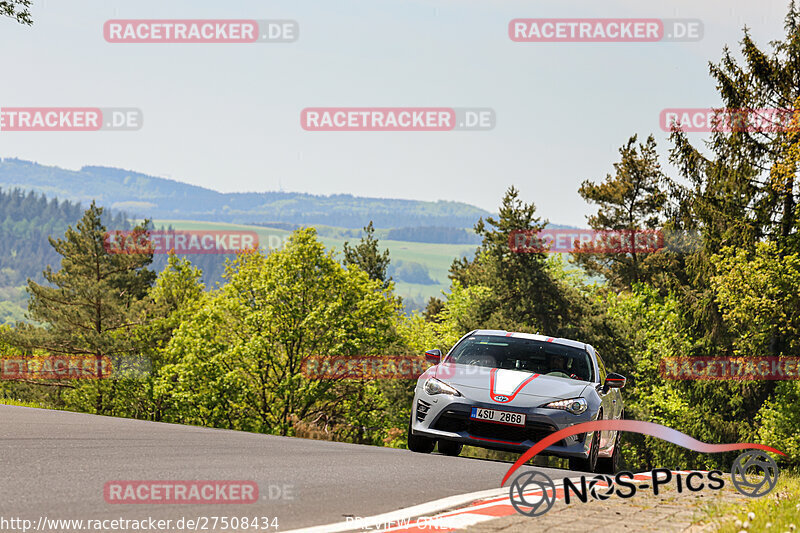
column 509, row 384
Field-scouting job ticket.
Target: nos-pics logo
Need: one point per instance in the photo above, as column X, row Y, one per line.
column 754, row 474
column 533, row 493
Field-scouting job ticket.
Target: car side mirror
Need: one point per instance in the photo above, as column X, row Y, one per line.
column 614, row 381
column 433, row 356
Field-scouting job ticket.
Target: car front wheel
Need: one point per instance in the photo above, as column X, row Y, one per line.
column 448, row 447
column 419, row 444
column 590, row 463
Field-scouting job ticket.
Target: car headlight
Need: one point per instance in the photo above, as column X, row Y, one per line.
column 575, row 405
column 434, row 386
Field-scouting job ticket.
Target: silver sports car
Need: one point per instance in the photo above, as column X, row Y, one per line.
column 505, row 391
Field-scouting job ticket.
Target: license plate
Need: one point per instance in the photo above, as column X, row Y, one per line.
column 501, row 417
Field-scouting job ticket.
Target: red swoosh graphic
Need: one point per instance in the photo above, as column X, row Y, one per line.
column 634, row 426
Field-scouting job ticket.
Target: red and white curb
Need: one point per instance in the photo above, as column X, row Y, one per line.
column 486, row 505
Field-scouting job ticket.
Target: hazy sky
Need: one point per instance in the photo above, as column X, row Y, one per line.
column 227, row 116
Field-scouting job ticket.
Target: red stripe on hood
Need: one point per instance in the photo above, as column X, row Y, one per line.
column 516, row 391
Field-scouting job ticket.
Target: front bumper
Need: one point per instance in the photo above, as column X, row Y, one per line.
column 445, row 417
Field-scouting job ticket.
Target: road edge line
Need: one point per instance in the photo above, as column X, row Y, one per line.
column 414, row 511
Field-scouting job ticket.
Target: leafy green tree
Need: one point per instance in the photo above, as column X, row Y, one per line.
column 367, row 256
column 21, row 389
column 239, row 357
column 632, row 199
column 655, row 327
column 175, row 296
column 658, row 327
column 18, row 10
column 758, row 294
column 737, row 293
column 778, row 420
column 411, row 272
column 455, row 318
column 87, row 308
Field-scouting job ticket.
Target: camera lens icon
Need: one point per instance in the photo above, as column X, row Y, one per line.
column 599, row 482
column 754, row 473
column 541, row 493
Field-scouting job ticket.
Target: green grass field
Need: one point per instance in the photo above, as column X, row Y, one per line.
column 779, row 511
column 434, row 257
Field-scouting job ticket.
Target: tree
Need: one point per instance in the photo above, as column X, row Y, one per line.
column 779, row 419
column 433, row 308
column 17, row 10
column 239, row 357
column 630, row 200
column 88, row 307
column 758, row 294
column 765, row 81
column 524, row 294
column 738, row 292
column 175, row 296
column 528, row 292
column 368, row 257
column 745, row 190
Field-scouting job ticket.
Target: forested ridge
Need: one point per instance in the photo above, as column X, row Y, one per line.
column 147, row 196
column 28, row 219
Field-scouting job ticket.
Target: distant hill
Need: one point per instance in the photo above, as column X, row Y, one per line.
column 152, row 197
column 434, row 234
column 27, row 220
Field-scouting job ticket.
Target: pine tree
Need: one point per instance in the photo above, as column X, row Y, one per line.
column 743, row 188
column 18, row 10
column 87, row 309
column 630, row 200
column 524, row 294
column 368, row 257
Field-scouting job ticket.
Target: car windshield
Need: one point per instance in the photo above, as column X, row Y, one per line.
column 526, row 355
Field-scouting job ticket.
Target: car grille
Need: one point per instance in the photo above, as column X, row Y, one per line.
column 422, row 410
column 454, row 422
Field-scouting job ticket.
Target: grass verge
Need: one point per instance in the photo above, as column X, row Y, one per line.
column 19, row 403
column 778, row 511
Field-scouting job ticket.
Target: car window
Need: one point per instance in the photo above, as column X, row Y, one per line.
column 526, row 355
column 602, row 367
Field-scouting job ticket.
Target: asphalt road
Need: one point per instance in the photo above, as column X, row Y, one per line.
column 55, row 464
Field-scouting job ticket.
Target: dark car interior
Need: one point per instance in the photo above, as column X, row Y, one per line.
column 524, row 355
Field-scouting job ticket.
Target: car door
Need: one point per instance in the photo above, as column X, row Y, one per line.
column 610, row 401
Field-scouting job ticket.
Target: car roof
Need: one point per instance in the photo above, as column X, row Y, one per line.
column 533, row 336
